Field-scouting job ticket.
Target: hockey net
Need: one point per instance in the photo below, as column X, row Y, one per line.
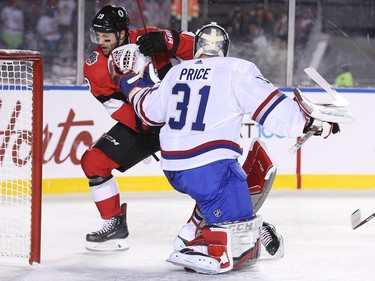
column 21, row 111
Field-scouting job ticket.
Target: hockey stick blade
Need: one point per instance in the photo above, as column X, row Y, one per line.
column 338, row 99
column 356, row 219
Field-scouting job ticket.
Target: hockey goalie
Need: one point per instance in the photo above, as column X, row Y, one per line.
column 323, row 119
column 221, row 245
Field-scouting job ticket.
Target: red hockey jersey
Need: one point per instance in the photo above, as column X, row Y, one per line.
column 105, row 90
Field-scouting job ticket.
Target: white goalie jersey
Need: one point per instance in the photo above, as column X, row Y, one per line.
column 202, row 103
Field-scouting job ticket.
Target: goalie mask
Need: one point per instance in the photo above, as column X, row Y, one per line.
column 110, row 19
column 211, row 40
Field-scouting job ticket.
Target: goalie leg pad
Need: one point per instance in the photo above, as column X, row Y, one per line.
column 261, row 173
column 246, row 241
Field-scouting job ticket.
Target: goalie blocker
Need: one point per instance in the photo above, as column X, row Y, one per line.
column 127, row 60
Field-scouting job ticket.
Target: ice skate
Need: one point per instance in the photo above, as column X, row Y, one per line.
column 111, row 236
column 272, row 241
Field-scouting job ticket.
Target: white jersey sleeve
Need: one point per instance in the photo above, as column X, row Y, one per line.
column 202, row 103
column 267, row 105
column 149, row 106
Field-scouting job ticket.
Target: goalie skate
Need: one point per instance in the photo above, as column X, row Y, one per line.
column 194, row 261
column 272, row 241
column 111, row 237
column 209, row 253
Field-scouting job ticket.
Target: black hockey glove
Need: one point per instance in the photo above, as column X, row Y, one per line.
column 159, row 41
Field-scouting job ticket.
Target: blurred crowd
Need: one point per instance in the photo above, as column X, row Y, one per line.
column 256, row 29
column 45, row 26
column 257, row 33
column 49, row 26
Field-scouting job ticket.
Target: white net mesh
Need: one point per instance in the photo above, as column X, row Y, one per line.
column 16, row 101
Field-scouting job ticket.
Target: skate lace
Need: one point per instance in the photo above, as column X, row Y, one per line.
column 107, row 226
column 266, row 235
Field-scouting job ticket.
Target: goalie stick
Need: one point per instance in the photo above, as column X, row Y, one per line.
column 302, row 140
column 338, row 100
column 356, row 219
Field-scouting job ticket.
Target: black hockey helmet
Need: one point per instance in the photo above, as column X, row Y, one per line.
column 211, row 40
column 110, row 19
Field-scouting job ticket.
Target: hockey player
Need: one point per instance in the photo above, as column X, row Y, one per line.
column 201, row 104
column 129, row 141
column 136, row 140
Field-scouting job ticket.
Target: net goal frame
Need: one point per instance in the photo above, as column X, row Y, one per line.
column 12, row 60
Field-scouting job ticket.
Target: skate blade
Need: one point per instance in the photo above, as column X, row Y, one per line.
column 280, row 252
column 110, row 245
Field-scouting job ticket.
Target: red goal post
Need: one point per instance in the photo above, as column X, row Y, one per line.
column 21, row 122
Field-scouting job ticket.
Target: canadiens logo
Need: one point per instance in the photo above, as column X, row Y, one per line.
column 93, row 58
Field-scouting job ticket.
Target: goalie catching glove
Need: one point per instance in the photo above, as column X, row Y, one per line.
column 131, row 70
column 159, row 41
column 322, row 118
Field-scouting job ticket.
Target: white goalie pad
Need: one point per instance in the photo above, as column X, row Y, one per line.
column 128, row 58
column 245, row 241
column 325, row 112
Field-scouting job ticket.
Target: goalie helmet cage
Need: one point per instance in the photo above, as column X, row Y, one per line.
column 21, row 121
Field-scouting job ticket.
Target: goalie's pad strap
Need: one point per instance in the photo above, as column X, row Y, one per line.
column 261, row 173
column 197, row 219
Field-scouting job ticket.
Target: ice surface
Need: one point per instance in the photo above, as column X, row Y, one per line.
column 319, row 241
